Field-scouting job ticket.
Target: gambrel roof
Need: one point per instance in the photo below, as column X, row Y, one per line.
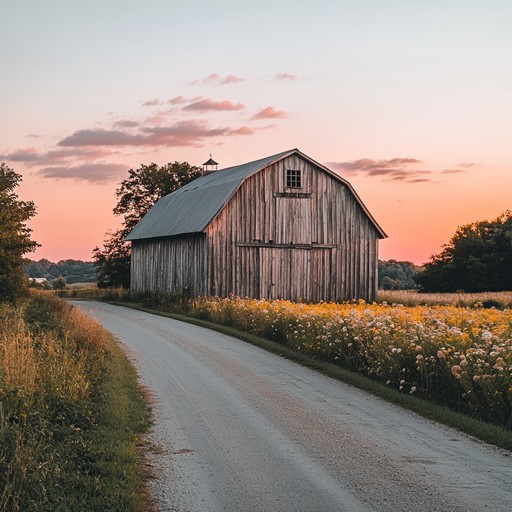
column 192, row 207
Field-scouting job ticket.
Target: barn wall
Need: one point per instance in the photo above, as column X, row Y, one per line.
column 314, row 243
column 169, row 265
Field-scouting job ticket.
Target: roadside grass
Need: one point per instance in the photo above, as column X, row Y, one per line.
column 481, row 430
column 70, row 413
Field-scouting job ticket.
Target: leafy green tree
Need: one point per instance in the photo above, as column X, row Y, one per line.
column 59, row 283
column 15, row 238
column 397, row 275
column 478, row 258
column 135, row 196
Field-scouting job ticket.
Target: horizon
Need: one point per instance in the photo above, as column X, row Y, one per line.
column 407, row 102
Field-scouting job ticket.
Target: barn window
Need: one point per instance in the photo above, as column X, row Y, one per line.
column 293, row 178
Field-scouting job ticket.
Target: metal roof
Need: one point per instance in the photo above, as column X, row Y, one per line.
column 192, row 207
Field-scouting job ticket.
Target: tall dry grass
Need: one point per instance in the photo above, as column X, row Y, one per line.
column 413, row 298
column 51, row 355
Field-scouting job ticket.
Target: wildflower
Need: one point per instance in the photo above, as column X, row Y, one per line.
column 455, row 371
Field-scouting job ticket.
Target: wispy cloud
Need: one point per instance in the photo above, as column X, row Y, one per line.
column 208, row 105
column 91, row 173
column 102, row 137
column 217, row 79
column 178, row 100
column 270, row 113
column 285, row 76
column 453, row 171
column 151, row 103
column 32, row 157
column 126, row 123
column 232, row 79
column 191, row 132
column 394, row 169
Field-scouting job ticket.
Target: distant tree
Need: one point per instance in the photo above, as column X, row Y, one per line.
column 477, row 258
column 74, row 271
column 397, row 275
column 59, row 283
column 135, row 196
column 15, row 239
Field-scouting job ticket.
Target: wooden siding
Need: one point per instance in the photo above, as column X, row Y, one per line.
column 169, row 265
column 313, row 243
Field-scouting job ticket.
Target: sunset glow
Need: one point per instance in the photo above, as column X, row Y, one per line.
column 408, row 101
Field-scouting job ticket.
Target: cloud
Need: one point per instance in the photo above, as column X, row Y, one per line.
column 191, row 132
column 270, row 113
column 177, row 100
column 92, row 173
column 285, row 76
column 394, row 169
column 453, row 171
column 243, row 130
column 217, row 79
column 102, row 138
column 466, row 165
column 151, row 103
column 208, row 105
column 126, row 123
column 31, row 157
column 232, row 79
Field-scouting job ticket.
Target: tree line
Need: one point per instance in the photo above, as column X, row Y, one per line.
column 477, row 258
column 73, row 271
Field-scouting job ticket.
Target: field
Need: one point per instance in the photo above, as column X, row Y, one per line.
column 413, row 298
column 69, row 411
column 460, row 357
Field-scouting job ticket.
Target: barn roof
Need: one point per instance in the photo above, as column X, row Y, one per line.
column 192, row 207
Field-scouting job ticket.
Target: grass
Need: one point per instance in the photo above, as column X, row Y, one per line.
column 70, row 412
column 413, row 298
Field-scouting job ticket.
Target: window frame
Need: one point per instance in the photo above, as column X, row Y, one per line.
column 293, row 178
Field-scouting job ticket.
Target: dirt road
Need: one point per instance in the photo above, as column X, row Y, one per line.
column 243, row 430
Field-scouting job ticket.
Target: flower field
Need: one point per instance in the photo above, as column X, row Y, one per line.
column 457, row 356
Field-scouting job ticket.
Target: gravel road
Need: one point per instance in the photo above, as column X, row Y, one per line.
column 243, row 430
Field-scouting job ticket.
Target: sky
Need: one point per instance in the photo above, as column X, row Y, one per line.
column 410, row 101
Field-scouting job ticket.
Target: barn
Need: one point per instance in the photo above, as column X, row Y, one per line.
column 282, row 227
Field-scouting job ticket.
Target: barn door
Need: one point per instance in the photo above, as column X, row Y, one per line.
column 285, row 273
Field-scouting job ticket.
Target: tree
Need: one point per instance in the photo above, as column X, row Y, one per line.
column 15, row 238
column 59, row 283
column 135, row 196
column 397, row 275
column 477, row 258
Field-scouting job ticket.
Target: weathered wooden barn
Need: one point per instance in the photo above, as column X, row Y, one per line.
column 283, row 227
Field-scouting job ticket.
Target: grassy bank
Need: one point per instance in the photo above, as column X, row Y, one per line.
column 70, row 412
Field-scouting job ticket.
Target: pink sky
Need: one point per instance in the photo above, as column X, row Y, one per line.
column 410, row 103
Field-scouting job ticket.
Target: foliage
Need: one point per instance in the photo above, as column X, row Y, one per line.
column 59, row 283
column 135, row 196
column 59, row 448
column 477, row 258
column 73, row 271
column 15, row 238
column 397, row 275
column 458, row 357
